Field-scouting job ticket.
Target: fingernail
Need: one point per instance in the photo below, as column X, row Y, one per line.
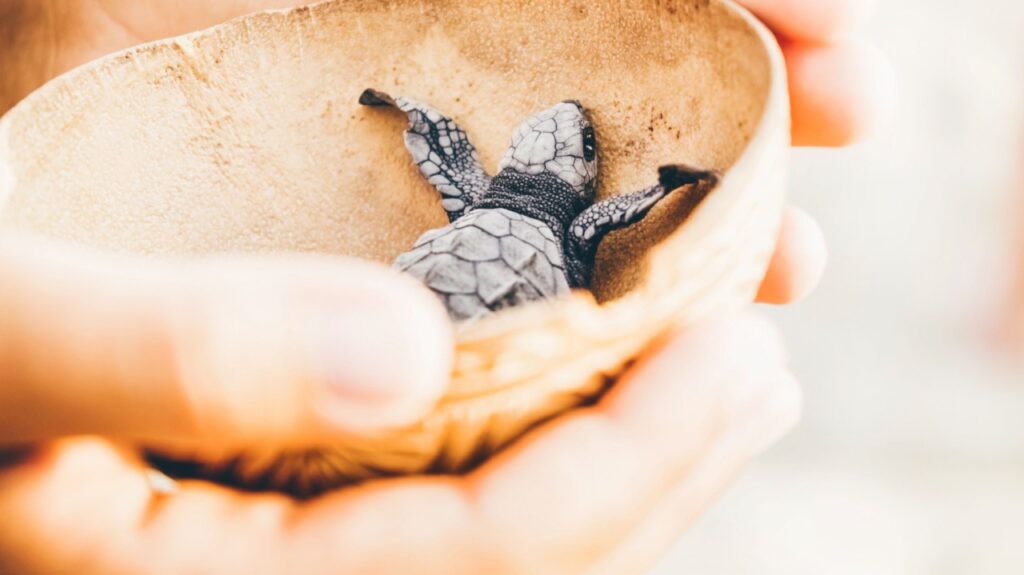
column 378, row 365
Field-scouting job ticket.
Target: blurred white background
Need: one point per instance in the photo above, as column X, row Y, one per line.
column 910, row 458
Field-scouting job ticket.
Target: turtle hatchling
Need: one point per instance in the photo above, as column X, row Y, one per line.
column 528, row 233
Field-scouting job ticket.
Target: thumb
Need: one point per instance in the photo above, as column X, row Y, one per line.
column 222, row 351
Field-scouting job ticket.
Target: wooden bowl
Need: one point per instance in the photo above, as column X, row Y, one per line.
column 248, row 137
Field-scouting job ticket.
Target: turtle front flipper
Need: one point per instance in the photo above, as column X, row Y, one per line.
column 442, row 151
column 594, row 223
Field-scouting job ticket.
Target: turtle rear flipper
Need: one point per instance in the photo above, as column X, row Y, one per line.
column 595, row 222
column 441, row 150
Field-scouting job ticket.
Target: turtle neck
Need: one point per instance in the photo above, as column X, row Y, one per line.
column 544, row 197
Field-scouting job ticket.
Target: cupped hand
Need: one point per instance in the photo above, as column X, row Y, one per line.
column 841, row 86
column 158, row 351
column 225, row 352
column 603, row 489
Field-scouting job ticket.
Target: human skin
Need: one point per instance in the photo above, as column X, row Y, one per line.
column 1010, row 326
column 166, row 352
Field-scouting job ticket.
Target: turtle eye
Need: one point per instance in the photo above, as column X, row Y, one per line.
column 589, row 144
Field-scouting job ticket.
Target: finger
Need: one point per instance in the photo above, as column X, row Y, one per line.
column 96, row 501
column 690, row 498
column 811, row 20
column 77, row 489
column 582, row 484
column 573, row 487
column 841, row 93
column 222, row 351
column 564, row 495
column 798, row 263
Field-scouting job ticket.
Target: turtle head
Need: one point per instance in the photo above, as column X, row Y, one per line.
column 559, row 141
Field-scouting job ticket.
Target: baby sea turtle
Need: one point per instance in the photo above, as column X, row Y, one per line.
column 528, row 233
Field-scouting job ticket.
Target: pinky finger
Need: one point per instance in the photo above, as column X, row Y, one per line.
column 799, row 260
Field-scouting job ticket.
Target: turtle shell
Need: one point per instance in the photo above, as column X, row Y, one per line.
column 487, row 261
column 248, row 137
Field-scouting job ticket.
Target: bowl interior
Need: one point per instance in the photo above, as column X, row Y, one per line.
column 248, row 137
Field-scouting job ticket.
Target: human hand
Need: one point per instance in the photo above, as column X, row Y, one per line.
column 841, row 87
column 604, row 489
column 220, row 353
column 92, row 496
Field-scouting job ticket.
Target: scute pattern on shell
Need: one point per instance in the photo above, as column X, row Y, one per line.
column 488, row 260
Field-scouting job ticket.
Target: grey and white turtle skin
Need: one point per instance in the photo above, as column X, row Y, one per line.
column 528, row 233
